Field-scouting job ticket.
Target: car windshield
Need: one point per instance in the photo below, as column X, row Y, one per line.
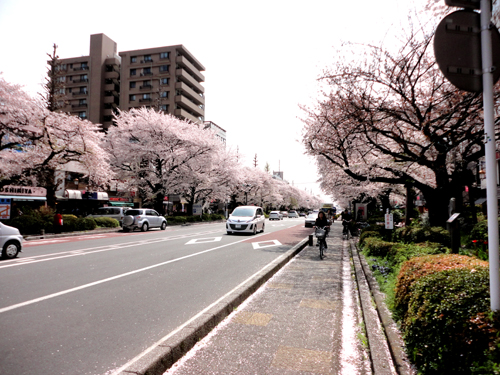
column 312, row 216
column 240, row 211
column 134, row 212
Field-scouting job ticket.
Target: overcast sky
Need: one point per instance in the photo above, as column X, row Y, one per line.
column 262, row 58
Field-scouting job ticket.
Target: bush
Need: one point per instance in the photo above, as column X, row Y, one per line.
column 368, row 234
column 418, row 234
column 106, row 222
column 377, row 247
column 29, row 224
column 416, row 268
column 440, row 330
column 176, row 219
column 480, row 231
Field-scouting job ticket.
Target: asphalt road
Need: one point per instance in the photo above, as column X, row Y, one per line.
column 90, row 304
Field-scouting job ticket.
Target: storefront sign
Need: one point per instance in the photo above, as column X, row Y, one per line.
column 24, row 190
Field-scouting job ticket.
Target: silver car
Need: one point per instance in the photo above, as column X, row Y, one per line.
column 293, row 214
column 311, row 219
column 275, row 215
column 143, row 219
column 246, row 219
column 117, row 213
column 11, row 241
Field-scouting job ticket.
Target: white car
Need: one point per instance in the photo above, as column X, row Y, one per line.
column 246, row 219
column 293, row 213
column 143, row 218
column 275, row 215
column 11, row 241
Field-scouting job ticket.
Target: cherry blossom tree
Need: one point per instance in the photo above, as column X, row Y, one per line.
column 35, row 142
column 157, row 153
column 389, row 117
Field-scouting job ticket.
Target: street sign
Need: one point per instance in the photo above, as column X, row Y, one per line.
column 457, row 47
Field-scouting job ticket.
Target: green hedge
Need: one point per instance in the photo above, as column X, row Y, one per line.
column 193, row 219
column 440, row 330
column 106, row 222
column 418, row 234
column 72, row 223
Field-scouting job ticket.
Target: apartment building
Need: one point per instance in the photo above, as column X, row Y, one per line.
column 164, row 78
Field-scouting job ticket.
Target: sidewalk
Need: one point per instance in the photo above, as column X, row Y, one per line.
column 312, row 317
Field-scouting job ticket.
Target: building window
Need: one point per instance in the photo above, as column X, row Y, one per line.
column 132, row 85
column 164, row 68
column 82, row 115
column 84, row 78
column 164, row 55
column 61, row 79
column 85, row 66
column 62, row 91
column 133, row 72
column 164, row 94
column 147, row 58
column 83, row 90
column 164, row 107
column 133, row 59
column 132, row 98
column 164, row 81
column 146, row 96
column 82, row 102
column 146, row 71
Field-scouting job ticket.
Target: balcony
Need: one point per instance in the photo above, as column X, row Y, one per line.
column 84, row 80
column 146, row 87
column 112, row 87
column 83, row 105
column 80, row 68
column 111, row 75
column 190, row 68
column 80, row 93
column 184, row 76
column 184, row 102
column 190, row 93
column 147, row 100
column 181, row 113
column 146, row 74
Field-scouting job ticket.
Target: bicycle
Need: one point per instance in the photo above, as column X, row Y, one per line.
column 345, row 231
column 321, row 236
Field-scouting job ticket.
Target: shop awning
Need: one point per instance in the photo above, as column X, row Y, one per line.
column 23, row 197
column 73, row 194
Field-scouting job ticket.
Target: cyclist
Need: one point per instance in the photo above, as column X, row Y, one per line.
column 322, row 222
column 346, row 221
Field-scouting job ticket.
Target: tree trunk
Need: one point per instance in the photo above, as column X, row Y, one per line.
column 409, row 204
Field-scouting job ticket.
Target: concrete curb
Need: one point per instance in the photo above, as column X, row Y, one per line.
column 393, row 336
column 166, row 353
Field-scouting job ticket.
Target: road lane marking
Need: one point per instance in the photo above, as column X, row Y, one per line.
column 89, row 285
column 204, row 240
column 258, row 245
column 92, row 250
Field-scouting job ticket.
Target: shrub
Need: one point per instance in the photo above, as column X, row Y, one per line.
column 440, row 330
column 419, row 267
column 480, row 231
column 106, row 222
column 28, row 224
column 368, row 234
column 176, row 219
column 86, row 223
column 418, row 234
column 377, row 247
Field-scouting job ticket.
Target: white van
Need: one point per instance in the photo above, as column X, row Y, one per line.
column 11, row 241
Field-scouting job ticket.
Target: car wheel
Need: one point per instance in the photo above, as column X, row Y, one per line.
column 255, row 229
column 145, row 227
column 229, row 233
column 10, row 250
column 126, row 229
column 163, row 226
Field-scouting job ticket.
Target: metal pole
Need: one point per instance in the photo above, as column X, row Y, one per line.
column 490, row 155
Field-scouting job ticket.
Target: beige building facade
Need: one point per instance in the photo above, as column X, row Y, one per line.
column 168, row 79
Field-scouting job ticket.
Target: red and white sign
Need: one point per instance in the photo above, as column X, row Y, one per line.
column 389, row 221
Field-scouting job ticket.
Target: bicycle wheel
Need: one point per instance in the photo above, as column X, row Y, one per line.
column 321, row 249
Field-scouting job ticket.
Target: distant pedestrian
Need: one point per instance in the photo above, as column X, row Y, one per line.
column 58, row 222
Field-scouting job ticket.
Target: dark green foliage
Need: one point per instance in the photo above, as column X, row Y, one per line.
column 29, row 224
column 377, row 247
column 418, row 234
column 106, row 222
column 368, row 234
column 480, row 231
column 439, row 329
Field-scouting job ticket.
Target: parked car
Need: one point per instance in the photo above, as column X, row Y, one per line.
column 117, row 213
column 311, row 219
column 284, row 213
column 246, row 219
column 11, row 241
column 143, row 218
column 275, row 215
column 293, row 214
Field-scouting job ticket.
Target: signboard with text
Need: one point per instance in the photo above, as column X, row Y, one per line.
column 5, row 205
column 389, row 221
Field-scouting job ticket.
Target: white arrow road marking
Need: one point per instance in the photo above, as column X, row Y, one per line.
column 203, row 240
column 257, row 245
